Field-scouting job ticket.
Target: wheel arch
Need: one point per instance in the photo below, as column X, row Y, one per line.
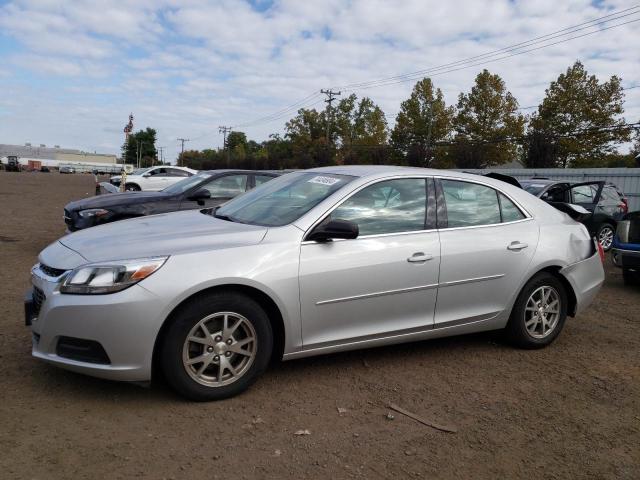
column 134, row 184
column 571, row 295
column 264, row 300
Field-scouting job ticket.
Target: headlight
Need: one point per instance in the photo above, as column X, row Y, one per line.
column 109, row 277
column 94, row 212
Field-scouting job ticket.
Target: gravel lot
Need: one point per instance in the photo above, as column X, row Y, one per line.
column 568, row 411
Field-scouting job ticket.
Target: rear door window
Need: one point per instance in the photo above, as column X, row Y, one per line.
column 583, row 193
column 227, row 187
column 470, row 204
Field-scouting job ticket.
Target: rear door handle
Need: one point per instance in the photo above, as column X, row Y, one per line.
column 419, row 257
column 517, row 246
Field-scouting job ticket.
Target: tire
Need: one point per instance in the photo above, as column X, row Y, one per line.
column 131, row 187
column 181, row 354
column 630, row 277
column 605, row 235
column 525, row 330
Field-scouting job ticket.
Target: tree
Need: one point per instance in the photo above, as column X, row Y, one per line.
column 485, row 117
column 361, row 131
column 423, row 120
column 307, row 134
column 584, row 117
column 635, row 150
column 541, row 150
column 140, row 148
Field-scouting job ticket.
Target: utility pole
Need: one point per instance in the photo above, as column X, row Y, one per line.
column 224, row 130
column 182, row 140
column 331, row 96
column 161, row 154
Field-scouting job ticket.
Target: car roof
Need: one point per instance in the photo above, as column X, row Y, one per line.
column 233, row 170
column 390, row 170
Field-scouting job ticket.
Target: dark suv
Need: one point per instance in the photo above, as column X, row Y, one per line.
column 605, row 201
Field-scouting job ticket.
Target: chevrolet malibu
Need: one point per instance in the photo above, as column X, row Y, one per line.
column 312, row 262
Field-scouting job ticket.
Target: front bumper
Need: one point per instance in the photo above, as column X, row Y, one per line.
column 586, row 278
column 125, row 324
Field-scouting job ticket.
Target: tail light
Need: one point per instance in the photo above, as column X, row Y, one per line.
column 624, row 206
column 600, row 252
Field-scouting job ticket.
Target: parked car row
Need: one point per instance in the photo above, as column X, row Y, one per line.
column 311, row 262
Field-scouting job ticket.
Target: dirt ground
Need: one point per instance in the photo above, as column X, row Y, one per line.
column 569, row 411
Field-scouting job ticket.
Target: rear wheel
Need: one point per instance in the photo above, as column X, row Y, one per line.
column 605, row 236
column 539, row 312
column 217, row 346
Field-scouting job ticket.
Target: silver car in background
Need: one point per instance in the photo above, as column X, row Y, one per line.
column 313, row 262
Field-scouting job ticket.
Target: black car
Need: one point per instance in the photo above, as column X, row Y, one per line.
column 204, row 190
column 605, row 201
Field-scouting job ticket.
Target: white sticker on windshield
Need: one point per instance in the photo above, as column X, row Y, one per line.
column 324, row 180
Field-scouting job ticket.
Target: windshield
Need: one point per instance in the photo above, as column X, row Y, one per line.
column 533, row 188
column 184, row 185
column 140, row 171
column 282, row 200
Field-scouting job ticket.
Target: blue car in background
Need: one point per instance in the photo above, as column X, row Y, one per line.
column 625, row 251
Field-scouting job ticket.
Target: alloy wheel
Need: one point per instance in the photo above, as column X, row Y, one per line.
column 605, row 237
column 542, row 312
column 219, row 349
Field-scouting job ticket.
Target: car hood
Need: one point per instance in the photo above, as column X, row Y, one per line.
column 113, row 199
column 155, row 235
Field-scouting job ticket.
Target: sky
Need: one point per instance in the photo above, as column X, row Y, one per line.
column 73, row 70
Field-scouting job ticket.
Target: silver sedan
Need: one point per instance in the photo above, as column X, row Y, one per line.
column 319, row 261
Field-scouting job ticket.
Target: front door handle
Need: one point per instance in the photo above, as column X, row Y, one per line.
column 517, row 246
column 419, row 257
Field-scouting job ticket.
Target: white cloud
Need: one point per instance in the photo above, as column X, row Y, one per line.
column 185, row 67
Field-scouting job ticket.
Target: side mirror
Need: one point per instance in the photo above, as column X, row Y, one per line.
column 327, row 231
column 199, row 195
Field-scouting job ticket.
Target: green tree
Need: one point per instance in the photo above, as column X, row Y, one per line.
column 361, row 131
column 485, row 117
column 583, row 116
column 423, row 120
column 307, row 134
column 141, row 148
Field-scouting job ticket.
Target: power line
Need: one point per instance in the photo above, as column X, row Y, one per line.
column 520, row 48
column 511, row 48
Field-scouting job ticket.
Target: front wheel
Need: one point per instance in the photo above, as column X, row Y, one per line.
column 216, row 346
column 605, row 236
column 132, row 187
column 539, row 312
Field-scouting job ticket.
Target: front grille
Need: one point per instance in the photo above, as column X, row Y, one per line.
column 115, row 182
column 82, row 350
column 38, row 299
column 50, row 271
